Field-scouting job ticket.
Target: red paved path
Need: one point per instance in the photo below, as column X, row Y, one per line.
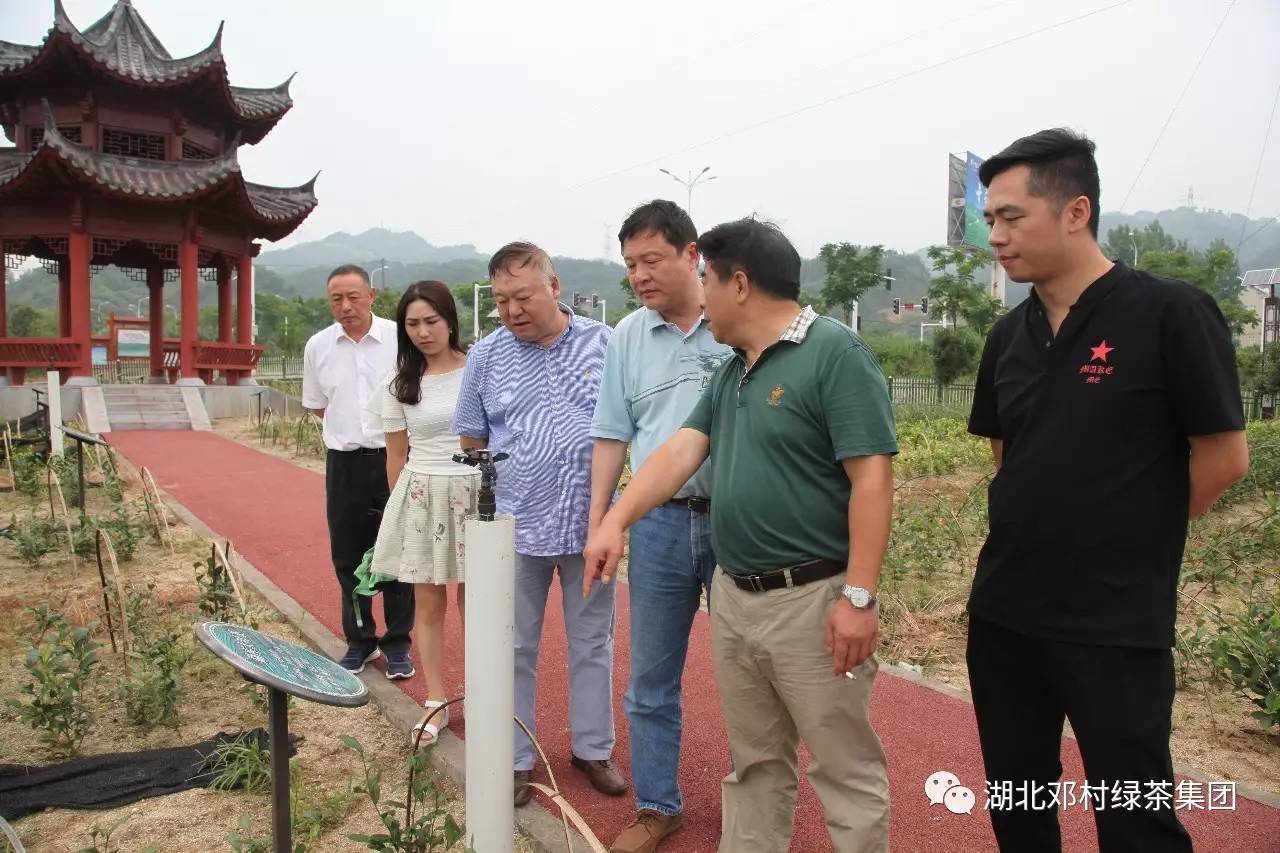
column 273, row 512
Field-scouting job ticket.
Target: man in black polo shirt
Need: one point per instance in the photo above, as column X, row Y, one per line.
column 1111, row 400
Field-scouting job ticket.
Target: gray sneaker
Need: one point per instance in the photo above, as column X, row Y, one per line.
column 355, row 659
column 399, row 665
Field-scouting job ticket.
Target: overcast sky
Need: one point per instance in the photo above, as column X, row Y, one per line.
column 483, row 122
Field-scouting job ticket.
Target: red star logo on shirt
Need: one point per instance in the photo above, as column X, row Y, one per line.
column 1100, row 351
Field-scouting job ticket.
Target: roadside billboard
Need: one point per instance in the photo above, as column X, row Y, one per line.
column 966, row 197
column 133, row 343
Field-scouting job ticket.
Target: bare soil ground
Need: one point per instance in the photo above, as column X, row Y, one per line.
column 214, row 699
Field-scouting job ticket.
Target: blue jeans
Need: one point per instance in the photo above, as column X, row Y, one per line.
column 670, row 565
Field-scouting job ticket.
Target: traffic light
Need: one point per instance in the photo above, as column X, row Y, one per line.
column 924, row 305
column 595, row 300
column 577, row 300
column 897, row 306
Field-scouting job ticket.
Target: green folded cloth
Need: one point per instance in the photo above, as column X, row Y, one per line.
column 367, row 583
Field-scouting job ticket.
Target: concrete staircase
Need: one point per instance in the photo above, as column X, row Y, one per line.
column 132, row 407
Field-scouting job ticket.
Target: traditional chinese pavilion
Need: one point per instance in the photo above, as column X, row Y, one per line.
column 124, row 155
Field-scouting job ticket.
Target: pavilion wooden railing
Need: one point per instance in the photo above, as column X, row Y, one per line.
column 216, row 355
column 39, row 352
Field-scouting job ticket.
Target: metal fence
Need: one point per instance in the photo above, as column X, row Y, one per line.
column 279, row 367
column 121, row 372
column 929, row 392
column 139, row 369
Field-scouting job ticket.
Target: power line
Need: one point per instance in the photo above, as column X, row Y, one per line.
column 1266, row 137
column 1263, row 227
column 850, row 94
column 788, row 83
column 677, row 71
column 884, row 46
column 1176, row 104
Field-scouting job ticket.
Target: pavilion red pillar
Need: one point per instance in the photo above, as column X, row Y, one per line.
column 189, row 265
column 155, row 322
column 244, row 298
column 225, row 316
column 64, row 298
column 79, row 256
column 4, row 286
column 5, row 372
column 224, row 304
column 244, row 309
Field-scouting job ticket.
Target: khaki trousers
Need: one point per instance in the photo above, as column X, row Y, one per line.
column 777, row 687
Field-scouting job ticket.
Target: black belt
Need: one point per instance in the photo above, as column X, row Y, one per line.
column 800, row 575
column 362, row 451
column 702, row 505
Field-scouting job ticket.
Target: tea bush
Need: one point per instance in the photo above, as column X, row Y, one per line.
column 61, row 665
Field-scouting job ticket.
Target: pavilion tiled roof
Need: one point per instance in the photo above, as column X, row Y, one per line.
column 120, row 44
column 273, row 212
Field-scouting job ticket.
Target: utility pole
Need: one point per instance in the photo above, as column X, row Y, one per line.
column 689, row 182
column 476, row 287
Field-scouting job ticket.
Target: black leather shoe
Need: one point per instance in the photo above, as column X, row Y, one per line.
column 524, row 793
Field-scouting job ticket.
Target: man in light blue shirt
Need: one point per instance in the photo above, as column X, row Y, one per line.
column 529, row 390
column 658, row 362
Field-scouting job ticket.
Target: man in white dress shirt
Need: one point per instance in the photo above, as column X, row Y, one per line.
column 342, row 366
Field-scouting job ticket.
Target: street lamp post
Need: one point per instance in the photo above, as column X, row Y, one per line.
column 1134, row 240
column 475, row 309
column 689, row 182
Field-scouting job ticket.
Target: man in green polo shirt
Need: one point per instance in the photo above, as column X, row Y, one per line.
column 800, row 435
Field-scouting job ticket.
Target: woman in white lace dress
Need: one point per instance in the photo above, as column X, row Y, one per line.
column 420, row 540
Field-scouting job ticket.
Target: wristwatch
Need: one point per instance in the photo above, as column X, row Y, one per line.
column 860, row 598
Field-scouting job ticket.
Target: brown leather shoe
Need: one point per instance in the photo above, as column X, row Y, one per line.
column 523, row 792
column 647, row 832
column 604, row 777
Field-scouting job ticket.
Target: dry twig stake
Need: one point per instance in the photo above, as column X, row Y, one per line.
column 55, row 487
column 149, row 486
column 121, row 600
column 8, row 456
column 224, row 556
column 102, row 578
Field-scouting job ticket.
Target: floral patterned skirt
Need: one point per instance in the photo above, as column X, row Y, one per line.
column 421, row 536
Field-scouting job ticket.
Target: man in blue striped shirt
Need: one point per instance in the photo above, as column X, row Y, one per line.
column 530, row 390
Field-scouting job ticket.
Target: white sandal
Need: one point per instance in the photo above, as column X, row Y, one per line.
column 430, row 731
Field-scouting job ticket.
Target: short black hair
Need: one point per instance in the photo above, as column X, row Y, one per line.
column 760, row 250
column 660, row 217
column 1062, row 167
column 350, row 269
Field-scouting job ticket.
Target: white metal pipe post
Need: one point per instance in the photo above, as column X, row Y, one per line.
column 490, row 682
column 55, row 413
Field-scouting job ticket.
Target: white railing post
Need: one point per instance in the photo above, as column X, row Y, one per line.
column 55, row 413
